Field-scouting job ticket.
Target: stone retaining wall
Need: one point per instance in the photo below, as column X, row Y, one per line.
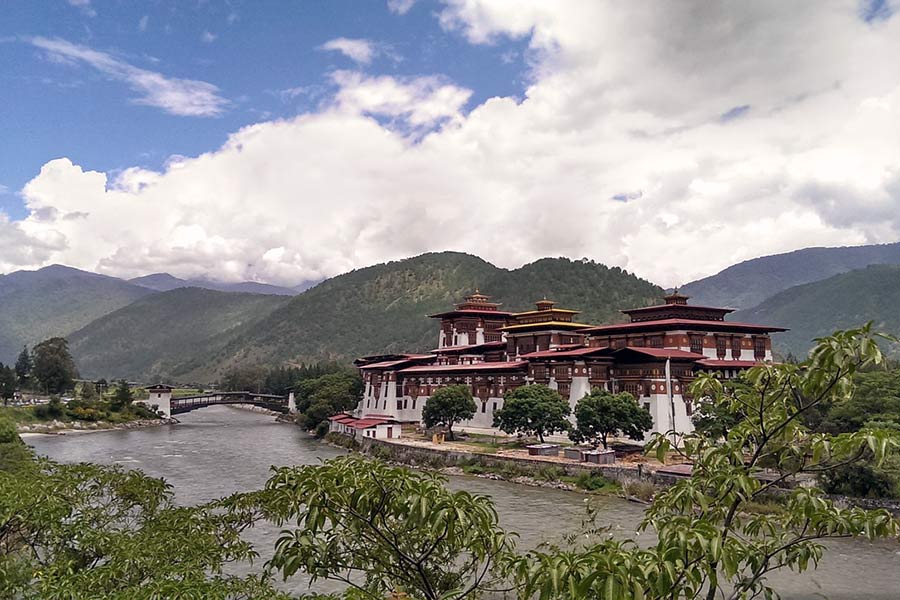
column 433, row 457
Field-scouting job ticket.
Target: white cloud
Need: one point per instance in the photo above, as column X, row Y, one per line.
column 208, row 37
column 184, row 97
column 400, row 7
column 84, row 6
column 357, row 50
column 619, row 151
column 143, row 22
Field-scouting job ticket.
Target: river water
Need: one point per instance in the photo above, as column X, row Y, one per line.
column 220, row 450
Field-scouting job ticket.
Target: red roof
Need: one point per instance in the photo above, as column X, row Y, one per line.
column 482, row 366
column 729, row 364
column 472, row 312
column 363, row 423
column 564, row 353
column 662, row 352
column 390, row 363
column 678, row 307
column 682, row 324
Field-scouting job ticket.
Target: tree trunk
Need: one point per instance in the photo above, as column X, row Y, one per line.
column 541, row 436
column 450, row 432
column 603, row 441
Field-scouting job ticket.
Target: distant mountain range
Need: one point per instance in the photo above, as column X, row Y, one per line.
column 159, row 326
column 746, row 284
column 843, row 301
column 56, row 300
column 163, row 282
column 382, row 308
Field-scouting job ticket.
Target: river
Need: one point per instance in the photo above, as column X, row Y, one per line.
column 220, row 450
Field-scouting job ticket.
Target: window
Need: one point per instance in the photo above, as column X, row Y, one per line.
column 647, row 406
column 759, row 348
column 697, row 344
column 688, row 407
column 656, row 341
column 494, row 407
column 736, row 347
column 399, row 404
column 414, row 403
column 484, row 407
column 405, row 403
column 720, row 347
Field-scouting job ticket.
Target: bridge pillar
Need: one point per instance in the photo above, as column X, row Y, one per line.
column 161, row 397
column 292, row 403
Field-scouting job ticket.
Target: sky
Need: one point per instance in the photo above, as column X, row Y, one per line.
column 284, row 141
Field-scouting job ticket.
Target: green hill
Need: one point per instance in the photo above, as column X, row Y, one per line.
column 840, row 302
column 382, row 308
column 746, row 284
column 155, row 336
column 55, row 301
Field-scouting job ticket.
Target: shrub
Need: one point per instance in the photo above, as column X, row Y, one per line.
column 593, row 482
column 322, row 429
column 8, row 432
column 549, row 473
column 643, row 490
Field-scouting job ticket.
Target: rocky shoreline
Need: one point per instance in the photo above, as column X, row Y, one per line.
column 56, row 427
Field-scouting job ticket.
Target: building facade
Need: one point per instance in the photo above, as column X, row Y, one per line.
column 654, row 357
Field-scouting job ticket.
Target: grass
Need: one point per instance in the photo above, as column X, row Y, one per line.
column 643, row 490
column 21, row 415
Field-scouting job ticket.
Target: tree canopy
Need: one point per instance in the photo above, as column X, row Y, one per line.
column 8, row 383
column 601, row 414
column 447, row 406
column 54, row 367
column 533, row 410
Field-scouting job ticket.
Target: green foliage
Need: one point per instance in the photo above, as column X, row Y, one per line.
column 88, row 391
column 382, row 529
column 593, row 482
column 176, row 335
column 8, row 383
column 601, row 414
column 54, row 368
column 52, row 410
column 876, row 398
column 864, row 479
column 321, row 397
column 709, row 543
column 122, row 397
column 447, row 406
column 86, row 531
column 533, row 410
column 714, row 419
column 24, row 364
column 7, row 431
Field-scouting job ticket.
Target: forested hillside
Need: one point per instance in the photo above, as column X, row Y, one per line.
column 382, row 308
column 746, row 284
column 55, row 301
column 840, row 302
column 156, row 336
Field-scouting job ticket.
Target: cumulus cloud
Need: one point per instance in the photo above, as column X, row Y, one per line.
column 670, row 139
column 358, row 50
column 183, row 97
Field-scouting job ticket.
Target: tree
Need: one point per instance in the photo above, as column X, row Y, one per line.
column 321, row 397
column 601, row 414
column 714, row 419
column 122, row 397
column 8, row 383
column 533, row 410
column 88, row 391
column 24, row 365
column 53, row 365
column 85, row 531
column 380, row 530
column 447, row 406
column 709, row 543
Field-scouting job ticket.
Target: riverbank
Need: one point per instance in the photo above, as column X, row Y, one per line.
column 638, row 482
column 57, row 427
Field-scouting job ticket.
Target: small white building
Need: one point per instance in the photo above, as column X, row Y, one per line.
column 372, row 426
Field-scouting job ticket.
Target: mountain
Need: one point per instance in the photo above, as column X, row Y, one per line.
column 748, row 283
column 382, row 308
column 385, row 308
column 840, row 302
column 163, row 282
column 55, row 301
column 155, row 336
